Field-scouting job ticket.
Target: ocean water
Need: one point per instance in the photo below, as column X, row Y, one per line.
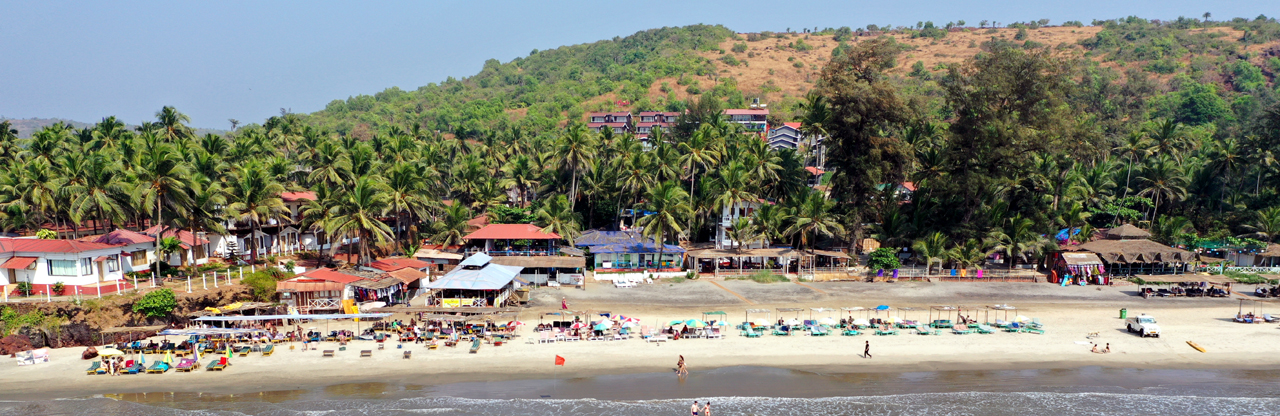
column 759, row 391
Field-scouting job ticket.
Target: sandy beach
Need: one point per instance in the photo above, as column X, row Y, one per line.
column 1070, row 314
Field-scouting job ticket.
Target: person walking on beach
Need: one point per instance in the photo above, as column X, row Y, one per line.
column 694, row 410
column 706, row 409
column 866, row 351
column 564, row 303
column 681, row 370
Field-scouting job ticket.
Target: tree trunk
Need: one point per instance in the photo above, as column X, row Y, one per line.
column 254, row 230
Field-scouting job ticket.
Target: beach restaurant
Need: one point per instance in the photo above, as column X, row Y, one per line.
column 627, row 250
column 476, row 282
column 318, row 290
column 1127, row 252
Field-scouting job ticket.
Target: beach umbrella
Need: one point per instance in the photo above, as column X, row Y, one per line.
column 601, row 327
column 629, row 324
column 109, row 351
column 578, row 325
column 142, row 358
column 761, row 322
column 1021, row 318
column 676, row 322
column 722, row 323
column 195, row 353
column 861, row 322
column 168, row 358
column 827, row 321
column 696, row 323
column 793, row 322
column 883, row 308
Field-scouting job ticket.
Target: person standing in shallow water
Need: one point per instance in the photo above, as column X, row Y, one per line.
column 694, row 409
column 706, row 409
column 866, row 351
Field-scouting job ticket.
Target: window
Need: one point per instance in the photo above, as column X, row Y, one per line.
column 199, row 251
column 86, row 266
column 62, row 267
column 139, row 258
column 113, row 263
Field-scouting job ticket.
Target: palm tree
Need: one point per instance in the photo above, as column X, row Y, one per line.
column 931, row 248
column 165, row 247
column 575, row 148
column 404, row 190
column 743, row 231
column 1263, row 159
column 556, row 216
column 357, row 214
column 450, row 229
column 670, row 206
column 813, row 217
column 699, row 151
column 102, row 192
column 173, row 124
column 254, row 197
column 522, row 174
column 816, row 119
column 1164, row 180
column 1167, row 138
column 1170, row 229
column 1266, row 224
column 161, row 182
column 770, row 221
column 893, row 229
column 969, row 254
column 1135, row 146
column 1017, row 239
column 1225, row 161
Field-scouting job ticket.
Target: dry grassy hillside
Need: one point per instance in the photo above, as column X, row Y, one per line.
column 781, row 71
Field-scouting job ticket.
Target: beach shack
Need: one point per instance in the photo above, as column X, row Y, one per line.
column 1077, row 267
column 317, row 291
column 438, row 259
column 537, row 254
column 1126, row 251
column 476, row 282
column 629, row 251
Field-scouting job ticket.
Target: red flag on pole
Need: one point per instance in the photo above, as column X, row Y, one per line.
column 559, row 360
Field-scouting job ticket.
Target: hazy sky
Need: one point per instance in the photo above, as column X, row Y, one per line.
column 223, row 59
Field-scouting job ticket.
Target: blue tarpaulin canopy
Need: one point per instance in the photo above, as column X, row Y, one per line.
column 208, row 331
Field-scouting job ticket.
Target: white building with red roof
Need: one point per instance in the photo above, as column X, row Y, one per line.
column 82, row 267
column 137, row 250
column 274, row 236
column 618, row 121
column 195, row 250
column 753, row 120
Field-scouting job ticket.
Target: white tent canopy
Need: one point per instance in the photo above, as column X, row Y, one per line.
column 477, row 273
column 294, row 317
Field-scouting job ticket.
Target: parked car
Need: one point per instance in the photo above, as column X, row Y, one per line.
column 1143, row 325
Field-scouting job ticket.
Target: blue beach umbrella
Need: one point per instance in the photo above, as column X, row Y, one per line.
column 882, row 308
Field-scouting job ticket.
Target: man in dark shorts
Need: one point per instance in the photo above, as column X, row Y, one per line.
column 866, row 351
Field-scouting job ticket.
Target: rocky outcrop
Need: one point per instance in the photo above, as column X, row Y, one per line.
column 14, row 344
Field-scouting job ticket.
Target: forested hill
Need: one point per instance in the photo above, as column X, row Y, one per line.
column 660, row 69
column 538, row 89
column 26, row 126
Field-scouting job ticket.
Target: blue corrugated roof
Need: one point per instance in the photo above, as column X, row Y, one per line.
column 645, row 248
column 593, row 238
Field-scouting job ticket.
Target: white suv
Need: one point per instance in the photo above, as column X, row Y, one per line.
column 1144, row 325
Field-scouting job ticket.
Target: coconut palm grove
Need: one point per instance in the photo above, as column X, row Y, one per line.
column 1173, row 126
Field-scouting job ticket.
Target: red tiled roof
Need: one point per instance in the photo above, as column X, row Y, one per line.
column 742, row 112
column 793, row 125
column 478, row 222
column 407, row 275
column 911, row 186
column 184, row 236
column 614, row 124
column 511, row 232
column 35, row 245
column 297, row 196
column 656, row 113
column 329, row 275
column 615, row 114
column 120, row 236
column 814, row 171
column 397, row 263
column 18, row 263
column 653, row 123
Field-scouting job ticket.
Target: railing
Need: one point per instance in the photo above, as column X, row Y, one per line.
column 323, row 304
column 970, row 275
column 531, row 252
column 1269, row 270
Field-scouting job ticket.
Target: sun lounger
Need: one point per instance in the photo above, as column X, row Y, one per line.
column 217, row 365
column 850, row 332
column 475, row 345
column 433, row 346
column 328, row 353
column 777, row 331
column 817, row 331
column 544, row 337
column 93, row 368
column 886, row 331
column 1267, row 317
column 133, row 368
column 1035, row 323
column 985, row 329
column 158, row 368
column 185, row 365
column 714, row 333
column 923, row 329
column 1001, row 324
column 1013, row 327
column 941, row 323
column 242, row 351
column 961, row 330
column 366, row 353
column 1037, row 331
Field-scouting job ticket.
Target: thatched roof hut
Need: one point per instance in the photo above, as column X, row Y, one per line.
column 1137, row 251
column 1273, row 250
column 1127, row 232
